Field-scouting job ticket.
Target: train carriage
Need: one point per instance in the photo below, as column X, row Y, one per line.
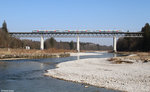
column 79, row 31
column 44, row 31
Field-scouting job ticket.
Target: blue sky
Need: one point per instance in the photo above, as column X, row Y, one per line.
column 27, row 15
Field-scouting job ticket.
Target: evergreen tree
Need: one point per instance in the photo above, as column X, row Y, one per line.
column 146, row 37
column 4, row 27
column 71, row 44
column 52, row 42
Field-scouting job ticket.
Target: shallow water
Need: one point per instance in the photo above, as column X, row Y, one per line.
column 27, row 76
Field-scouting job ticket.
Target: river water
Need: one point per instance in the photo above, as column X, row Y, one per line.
column 27, row 76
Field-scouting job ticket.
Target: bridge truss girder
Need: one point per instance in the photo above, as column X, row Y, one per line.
column 75, row 34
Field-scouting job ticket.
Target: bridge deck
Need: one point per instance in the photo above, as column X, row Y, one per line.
column 75, row 34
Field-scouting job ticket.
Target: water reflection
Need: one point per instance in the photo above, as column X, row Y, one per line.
column 115, row 55
column 78, row 56
column 41, row 66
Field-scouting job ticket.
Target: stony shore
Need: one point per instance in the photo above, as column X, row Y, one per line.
column 130, row 77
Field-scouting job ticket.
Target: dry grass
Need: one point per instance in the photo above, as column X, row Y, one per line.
column 24, row 51
column 132, row 56
column 118, row 60
column 139, row 56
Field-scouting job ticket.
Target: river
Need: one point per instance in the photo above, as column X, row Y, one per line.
column 27, row 76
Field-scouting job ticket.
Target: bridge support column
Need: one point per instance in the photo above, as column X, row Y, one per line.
column 42, row 43
column 78, row 44
column 114, row 44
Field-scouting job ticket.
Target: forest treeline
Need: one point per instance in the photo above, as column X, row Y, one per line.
column 7, row 41
column 136, row 44
column 52, row 43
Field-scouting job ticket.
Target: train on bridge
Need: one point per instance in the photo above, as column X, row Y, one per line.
column 77, row 33
column 73, row 31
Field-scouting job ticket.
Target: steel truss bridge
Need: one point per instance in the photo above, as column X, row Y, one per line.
column 43, row 35
column 75, row 34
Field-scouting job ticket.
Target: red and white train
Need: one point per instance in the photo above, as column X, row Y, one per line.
column 44, row 31
column 80, row 31
column 108, row 30
column 77, row 30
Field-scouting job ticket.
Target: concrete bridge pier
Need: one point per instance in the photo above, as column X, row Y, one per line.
column 78, row 44
column 114, row 44
column 42, row 42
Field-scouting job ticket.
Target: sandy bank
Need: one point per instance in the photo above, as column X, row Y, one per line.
column 100, row 72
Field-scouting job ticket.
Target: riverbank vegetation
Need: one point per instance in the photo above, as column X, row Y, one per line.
column 6, row 41
column 136, row 44
column 131, row 57
column 7, row 54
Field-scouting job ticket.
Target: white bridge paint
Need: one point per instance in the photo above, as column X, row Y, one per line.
column 78, row 44
column 42, row 42
column 114, row 44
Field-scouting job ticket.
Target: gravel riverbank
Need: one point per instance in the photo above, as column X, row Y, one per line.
column 100, row 72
